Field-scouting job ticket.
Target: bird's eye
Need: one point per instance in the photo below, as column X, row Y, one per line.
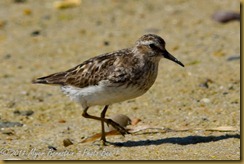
column 152, row 46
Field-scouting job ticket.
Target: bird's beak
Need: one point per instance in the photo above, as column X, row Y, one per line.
column 167, row 55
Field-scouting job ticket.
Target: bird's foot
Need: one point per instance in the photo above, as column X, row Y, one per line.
column 119, row 128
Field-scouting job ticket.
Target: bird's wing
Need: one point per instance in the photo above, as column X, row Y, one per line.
column 90, row 72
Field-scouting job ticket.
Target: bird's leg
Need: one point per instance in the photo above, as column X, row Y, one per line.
column 103, row 137
column 122, row 130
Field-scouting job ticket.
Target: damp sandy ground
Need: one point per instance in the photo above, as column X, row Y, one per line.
column 37, row 39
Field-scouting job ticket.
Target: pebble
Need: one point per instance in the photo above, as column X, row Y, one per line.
column 62, row 121
column 231, row 58
column 19, row 1
column 27, row 11
column 63, row 4
column 205, row 84
column 8, row 132
column 35, row 33
column 7, row 56
column 106, row 43
column 67, row 142
column 52, row 148
column 23, row 113
column 8, row 124
column 205, row 100
column 226, row 16
column 225, row 93
column 205, row 119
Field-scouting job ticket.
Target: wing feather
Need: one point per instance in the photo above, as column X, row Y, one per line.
column 90, row 72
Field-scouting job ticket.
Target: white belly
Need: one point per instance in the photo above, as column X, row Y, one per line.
column 101, row 94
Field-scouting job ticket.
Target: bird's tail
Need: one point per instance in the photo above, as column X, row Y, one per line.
column 55, row 79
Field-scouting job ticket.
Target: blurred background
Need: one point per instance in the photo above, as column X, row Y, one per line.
column 40, row 37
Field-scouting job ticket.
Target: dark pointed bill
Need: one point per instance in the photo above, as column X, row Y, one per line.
column 167, row 55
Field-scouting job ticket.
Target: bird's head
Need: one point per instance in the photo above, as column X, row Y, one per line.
column 153, row 46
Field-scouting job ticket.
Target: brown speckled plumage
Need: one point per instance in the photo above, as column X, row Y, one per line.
column 115, row 67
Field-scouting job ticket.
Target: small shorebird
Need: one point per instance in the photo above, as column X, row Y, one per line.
column 113, row 77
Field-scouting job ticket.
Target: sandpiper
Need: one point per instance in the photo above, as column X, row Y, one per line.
column 113, row 77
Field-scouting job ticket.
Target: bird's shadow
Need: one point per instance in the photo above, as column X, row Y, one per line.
column 176, row 140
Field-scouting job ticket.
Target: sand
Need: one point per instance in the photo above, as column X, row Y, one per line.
column 38, row 39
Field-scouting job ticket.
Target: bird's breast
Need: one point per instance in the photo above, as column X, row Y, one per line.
column 102, row 94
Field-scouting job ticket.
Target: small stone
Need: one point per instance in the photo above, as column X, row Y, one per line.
column 67, row 142
column 19, row 1
column 8, row 132
column 62, row 121
column 231, row 58
column 35, row 33
column 64, row 4
column 23, row 113
column 225, row 93
column 27, row 11
column 205, row 119
column 23, row 92
column 231, row 87
column 8, row 124
column 205, row 100
column 205, row 84
column 226, row 16
column 106, row 43
column 7, row 56
column 52, row 148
